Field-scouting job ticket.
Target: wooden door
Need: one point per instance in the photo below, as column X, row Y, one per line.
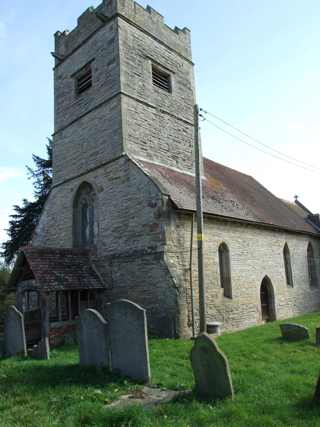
column 265, row 302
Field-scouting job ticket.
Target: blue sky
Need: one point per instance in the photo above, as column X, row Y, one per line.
column 257, row 66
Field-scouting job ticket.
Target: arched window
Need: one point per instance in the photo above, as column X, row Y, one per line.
column 287, row 265
column 312, row 269
column 84, row 216
column 225, row 270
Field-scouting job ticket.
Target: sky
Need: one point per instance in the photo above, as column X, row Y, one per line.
column 257, row 67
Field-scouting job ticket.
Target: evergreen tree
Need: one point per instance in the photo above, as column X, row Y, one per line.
column 26, row 217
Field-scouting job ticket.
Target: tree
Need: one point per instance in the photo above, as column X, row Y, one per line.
column 26, row 217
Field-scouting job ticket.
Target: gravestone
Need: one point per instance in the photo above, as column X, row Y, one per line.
column 129, row 340
column 318, row 337
column 14, row 333
column 211, row 370
column 294, row 332
column 316, row 397
column 93, row 339
column 2, row 349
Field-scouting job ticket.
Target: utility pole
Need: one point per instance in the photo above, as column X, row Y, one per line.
column 198, row 170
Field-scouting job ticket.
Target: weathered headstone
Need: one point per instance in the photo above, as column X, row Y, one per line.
column 2, row 349
column 318, row 337
column 14, row 333
column 129, row 340
column 93, row 339
column 316, row 397
column 211, row 370
column 294, row 332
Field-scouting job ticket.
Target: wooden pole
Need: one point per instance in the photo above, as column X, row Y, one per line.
column 45, row 325
column 198, row 173
column 191, row 280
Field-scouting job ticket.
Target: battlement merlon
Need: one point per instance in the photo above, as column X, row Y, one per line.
column 147, row 18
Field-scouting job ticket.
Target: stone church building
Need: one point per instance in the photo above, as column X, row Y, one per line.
column 120, row 219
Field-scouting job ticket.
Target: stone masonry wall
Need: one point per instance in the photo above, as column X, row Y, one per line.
column 157, row 125
column 148, row 19
column 129, row 250
column 255, row 252
column 122, row 111
column 88, row 125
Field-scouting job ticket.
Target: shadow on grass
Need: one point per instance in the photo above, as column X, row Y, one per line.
column 48, row 376
column 276, row 340
column 281, row 341
column 308, row 406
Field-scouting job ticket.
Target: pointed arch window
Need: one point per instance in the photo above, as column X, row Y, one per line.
column 85, row 218
column 225, row 270
column 287, row 265
column 312, row 269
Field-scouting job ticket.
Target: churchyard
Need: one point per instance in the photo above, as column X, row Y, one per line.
column 273, row 380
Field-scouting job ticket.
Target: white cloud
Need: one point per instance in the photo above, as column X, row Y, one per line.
column 7, row 173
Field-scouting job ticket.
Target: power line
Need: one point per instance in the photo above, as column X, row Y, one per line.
column 278, row 154
column 236, row 137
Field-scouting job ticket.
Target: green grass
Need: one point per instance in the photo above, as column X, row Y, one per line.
column 274, row 384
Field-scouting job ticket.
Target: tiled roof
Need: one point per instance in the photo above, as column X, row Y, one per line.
column 57, row 269
column 227, row 193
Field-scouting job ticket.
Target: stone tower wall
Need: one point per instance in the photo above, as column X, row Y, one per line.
column 122, row 111
column 88, row 126
column 157, row 125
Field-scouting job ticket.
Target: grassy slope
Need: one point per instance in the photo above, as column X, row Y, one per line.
column 274, row 383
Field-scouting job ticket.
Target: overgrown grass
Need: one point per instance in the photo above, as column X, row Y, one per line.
column 274, row 384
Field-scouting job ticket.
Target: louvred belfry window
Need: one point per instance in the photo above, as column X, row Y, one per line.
column 161, row 79
column 84, row 79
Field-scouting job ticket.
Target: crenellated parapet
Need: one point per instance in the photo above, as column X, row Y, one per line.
column 147, row 19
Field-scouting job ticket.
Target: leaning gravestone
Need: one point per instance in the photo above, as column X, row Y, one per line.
column 2, row 350
column 316, row 396
column 294, row 332
column 14, row 333
column 211, row 370
column 129, row 340
column 318, row 337
column 93, row 339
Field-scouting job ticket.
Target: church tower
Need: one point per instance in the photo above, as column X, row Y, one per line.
column 123, row 101
column 123, row 83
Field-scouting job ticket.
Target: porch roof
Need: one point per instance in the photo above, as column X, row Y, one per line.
column 56, row 269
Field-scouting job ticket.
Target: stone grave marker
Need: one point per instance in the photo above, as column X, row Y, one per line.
column 318, row 337
column 14, row 333
column 294, row 332
column 93, row 339
column 316, row 397
column 2, row 348
column 129, row 340
column 211, row 370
